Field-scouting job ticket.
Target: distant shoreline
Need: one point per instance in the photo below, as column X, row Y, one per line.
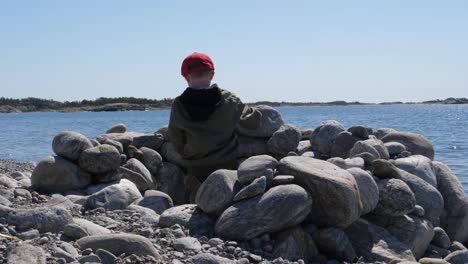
column 28, row 105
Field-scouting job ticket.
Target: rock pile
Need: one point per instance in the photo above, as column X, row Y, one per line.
column 323, row 195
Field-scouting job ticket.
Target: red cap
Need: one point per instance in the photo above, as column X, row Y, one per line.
column 196, row 62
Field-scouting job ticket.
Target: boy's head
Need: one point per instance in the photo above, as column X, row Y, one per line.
column 198, row 70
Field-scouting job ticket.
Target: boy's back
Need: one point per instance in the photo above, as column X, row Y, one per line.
column 203, row 122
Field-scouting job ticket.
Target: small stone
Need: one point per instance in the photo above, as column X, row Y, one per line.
column 186, row 243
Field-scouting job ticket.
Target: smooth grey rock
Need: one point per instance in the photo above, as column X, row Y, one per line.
column 283, row 179
column 426, row 195
column 455, row 218
column 414, row 231
column 255, row 167
column 395, row 148
column 81, row 227
column 361, row 132
column 368, row 189
column 334, row 190
column 189, row 216
column 186, row 243
column 170, row 180
column 120, row 243
column 105, row 256
column 395, row 198
column 441, row 239
column 279, row 208
column 294, row 244
column 364, row 147
column 113, row 143
column 60, row 253
column 117, row 128
column 342, row 144
column 151, row 159
column 147, row 215
column 124, row 138
column 26, row 254
column 303, row 146
column 56, row 174
column 44, row 219
column 324, row 136
column 270, row 121
column 100, row 159
column 345, row 164
column 156, row 201
column 207, row 258
column 420, row 166
column 28, row 235
column 378, row 145
column 257, row 187
column 414, row 143
column 457, row 257
column 8, row 182
column 284, row 140
column 115, row 196
column 335, row 244
column 91, row 258
column 152, row 141
column 142, row 176
column 381, row 132
column 374, row 243
column 4, row 201
column 69, row 144
column 217, row 192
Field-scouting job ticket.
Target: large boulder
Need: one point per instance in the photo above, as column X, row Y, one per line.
column 380, row 147
column 217, row 192
column 114, row 196
column 414, row 231
column 118, row 244
column 361, row 147
column 426, row 195
column 189, row 216
column 420, row 166
column 374, row 243
column 57, row 174
column 335, row 244
column 294, row 244
column 168, row 152
column 151, row 159
column 414, row 143
column 342, row 144
column 368, row 189
column 152, row 141
column 45, row 219
column 101, row 159
column 270, row 122
column 136, row 172
column 395, row 198
column 117, row 128
column 284, row 140
column 334, row 190
column 69, row 144
column 279, row 208
column 323, row 137
column 455, row 219
column 156, row 201
column 81, row 227
column 255, row 167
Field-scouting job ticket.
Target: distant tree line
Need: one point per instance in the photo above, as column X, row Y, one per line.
column 37, row 104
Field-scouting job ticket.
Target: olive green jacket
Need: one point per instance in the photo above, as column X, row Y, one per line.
column 213, row 141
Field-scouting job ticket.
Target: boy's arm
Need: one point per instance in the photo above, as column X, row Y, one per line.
column 250, row 117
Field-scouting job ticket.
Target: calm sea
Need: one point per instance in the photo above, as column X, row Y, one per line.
column 28, row 136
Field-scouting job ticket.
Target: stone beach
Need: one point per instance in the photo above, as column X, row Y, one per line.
column 328, row 194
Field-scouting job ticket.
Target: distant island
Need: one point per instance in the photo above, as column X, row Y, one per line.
column 102, row 104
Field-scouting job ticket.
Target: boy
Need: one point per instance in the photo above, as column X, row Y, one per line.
column 203, row 122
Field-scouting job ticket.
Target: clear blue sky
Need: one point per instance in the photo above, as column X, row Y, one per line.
column 370, row 51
